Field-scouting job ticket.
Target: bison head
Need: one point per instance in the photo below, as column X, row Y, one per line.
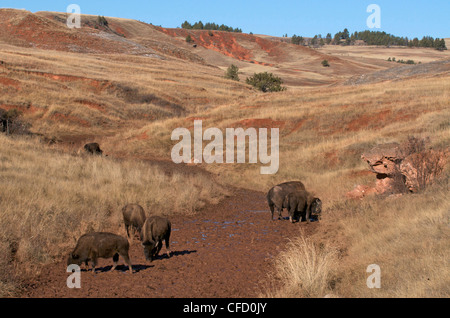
column 316, row 207
column 73, row 259
column 149, row 250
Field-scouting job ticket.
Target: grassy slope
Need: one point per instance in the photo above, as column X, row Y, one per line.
column 132, row 103
column 323, row 132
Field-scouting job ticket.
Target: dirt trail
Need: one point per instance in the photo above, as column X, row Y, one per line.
column 224, row 251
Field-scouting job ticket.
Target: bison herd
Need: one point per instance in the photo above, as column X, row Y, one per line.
column 153, row 230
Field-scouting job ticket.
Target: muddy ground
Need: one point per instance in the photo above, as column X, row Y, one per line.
column 226, row 250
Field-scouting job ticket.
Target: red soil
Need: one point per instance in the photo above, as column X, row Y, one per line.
column 25, row 109
column 91, row 105
column 9, row 82
column 96, row 84
column 271, row 47
column 118, row 29
column 372, row 120
column 297, row 126
column 195, row 118
column 260, row 123
column 332, row 158
column 226, row 43
column 24, row 28
column 142, row 136
column 70, row 118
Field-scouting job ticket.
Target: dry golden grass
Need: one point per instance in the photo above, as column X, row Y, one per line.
column 85, row 94
column 358, row 53
column 323, row 131
column 48, row 199
column 408, row 237
column 304, row 270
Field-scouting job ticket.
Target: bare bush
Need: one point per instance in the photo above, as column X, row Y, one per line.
column 420, row 166
column 414, row 145
column 304, row 269
column 423, row 168
column 409, row 167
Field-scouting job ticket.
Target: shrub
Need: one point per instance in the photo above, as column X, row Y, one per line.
column 102, row 21
column 266, row 82
column 325, row 63
column 419, row 167
column 304, row 268
column 232, row 73
column 189, row 39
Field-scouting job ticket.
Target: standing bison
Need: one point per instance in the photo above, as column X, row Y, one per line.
column 134, row 218
column 96, row 245
column 155, row 230
column 93, row 149
column 303, row 203
column 277, row 194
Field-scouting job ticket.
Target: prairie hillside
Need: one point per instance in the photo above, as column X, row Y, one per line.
column 129, row 84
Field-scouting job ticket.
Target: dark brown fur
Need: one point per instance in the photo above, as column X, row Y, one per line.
column 93, row 148
column 96, row 245
column 303, row 203
column 155, row 230
column 133, row 217
column 277, row 194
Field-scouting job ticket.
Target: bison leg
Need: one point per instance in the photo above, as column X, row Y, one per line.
column 279, row 213
column 167, row 246
column 271, row 210
column 127, row 260
column 308, row 215
column 291, row 215
column 115, row 260
column 158, row 247
column 94, row 262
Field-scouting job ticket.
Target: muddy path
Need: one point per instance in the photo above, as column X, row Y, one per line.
column 224, row 251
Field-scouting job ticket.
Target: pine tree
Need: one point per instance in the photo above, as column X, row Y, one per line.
column 266, row 82
column 189, row 39
column 232, row 73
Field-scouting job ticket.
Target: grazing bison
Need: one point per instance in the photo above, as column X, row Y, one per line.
column 93, row 148
column 133, row 217
column 155, row 230
column 277, row 194
column 96, row 245
column 303, row 203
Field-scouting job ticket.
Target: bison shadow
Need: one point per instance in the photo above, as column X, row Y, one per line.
column 313, row 218
column 121, row 268
column 139, row 267
column 174, row 253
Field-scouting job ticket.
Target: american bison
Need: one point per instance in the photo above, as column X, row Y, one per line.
column 134, row 218
column 93, row 148
column 96, row 245
column 303, row 203
column 277, row 194
column 155, row 230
